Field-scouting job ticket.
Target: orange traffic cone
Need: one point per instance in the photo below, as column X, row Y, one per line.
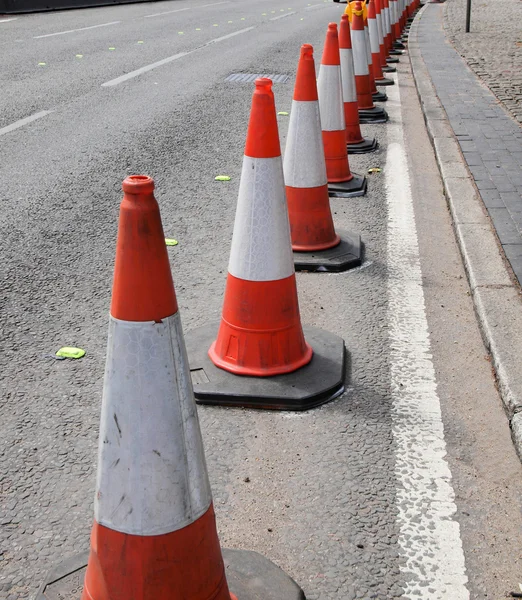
column 368, row 112
column 356, row 144
column 316, row 245
column 381, row 26
column 342, row 183
column 154, row 533
column 260, row 357
column 377, row 96
column 375, row 46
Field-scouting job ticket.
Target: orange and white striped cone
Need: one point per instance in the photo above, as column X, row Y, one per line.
column 154, row 534
column 368, row 112
column 260, row 357
column 396, row 26
column 316, row 245
column 341, row 182
column 375, row 47
column 390, row 37
column 355, row 143
column 377, row 95
column 379, row 13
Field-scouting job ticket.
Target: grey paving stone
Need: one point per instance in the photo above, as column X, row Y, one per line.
column 473, row 159
column 503, row 184
column 506, row 228
column 514, row 255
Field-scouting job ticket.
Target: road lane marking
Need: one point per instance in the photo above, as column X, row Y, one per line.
column 170, row 59
column 429, row 539
column 314, row 6
column 7, row 20
column 133, row 74
column 169, row 12
column 214, row 4
column 22, row 122
column 281, row 16
column 39, row 37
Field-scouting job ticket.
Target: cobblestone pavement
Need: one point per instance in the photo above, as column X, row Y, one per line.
column 493, row 47
column 490, row 140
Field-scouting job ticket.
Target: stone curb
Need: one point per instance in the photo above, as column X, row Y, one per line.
column 495, row 294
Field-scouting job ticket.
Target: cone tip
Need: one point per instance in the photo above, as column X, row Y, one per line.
column 332, row 27
column 263, row 85
column 138, row 184
column 344, row 17
column 307, row 51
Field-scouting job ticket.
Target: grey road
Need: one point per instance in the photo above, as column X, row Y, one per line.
column 407, row 486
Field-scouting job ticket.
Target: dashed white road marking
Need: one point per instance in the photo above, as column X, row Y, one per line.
column 170, row 59
column 7, row 20
column 214, row 3
column 22, row 122
column 281, row 16
column 169, row 12
column 39, row 37
column 429, row 538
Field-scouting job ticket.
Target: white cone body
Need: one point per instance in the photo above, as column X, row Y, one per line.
column 152, row 478
column 304, row 165
column 387, row 26
column 367, row 44
column 393, row 12
column 329, row 89
column 374, row 36
column 360, row 59
column 261, row 249
column 379, row 29
column 348, row 75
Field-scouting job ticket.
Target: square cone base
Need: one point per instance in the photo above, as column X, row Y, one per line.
column 394, row 52
column 380, row 97
column 389, row 69
column 250, row 576
column 357, row 186
column 346, row 255
column 367, row 145
column 320, row 381
column 392, row 59
column 398, row 45
column 384, row 81
column 373, row 115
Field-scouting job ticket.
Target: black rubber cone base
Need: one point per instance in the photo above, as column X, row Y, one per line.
column 367, row 145
column 346, row 255
column 389, row 69
column 373, row 115
column 392, row 59
column 396, row 52
column 398, row 45
column 348, row 189
column 250, row 576
column 320, row 381
column 380, row 97
column 384, row 81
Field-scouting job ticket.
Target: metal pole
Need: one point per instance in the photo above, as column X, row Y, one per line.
column 468, row 15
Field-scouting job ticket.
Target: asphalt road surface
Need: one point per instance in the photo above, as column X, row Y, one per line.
column 405, row 486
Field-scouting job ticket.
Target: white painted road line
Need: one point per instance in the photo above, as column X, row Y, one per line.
column 429, row 537
column 39, row 37
column 281, row 16
column 133, row 74
column 226, row 37
column 170, row 59
column 7, row 20
column 214, row 3
column 169, row 12
column 22, row 122
column 314, row 6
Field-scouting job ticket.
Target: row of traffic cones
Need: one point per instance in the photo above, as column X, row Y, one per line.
column 154, row 532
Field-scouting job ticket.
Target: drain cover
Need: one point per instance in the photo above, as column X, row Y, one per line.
column 251, row 77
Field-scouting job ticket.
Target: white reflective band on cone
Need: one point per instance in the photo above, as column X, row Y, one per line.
column 387, row 20
column 261, row 248
column 152, row 477
column 304, row 165
column 348, row 75
column 330, row 97
column 368, row 49
column 374, row 36
column 379, row 28
column 360, row 60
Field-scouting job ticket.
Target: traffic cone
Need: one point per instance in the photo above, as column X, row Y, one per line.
column 368, row 112
column 375, row 47
column 341, row 182
column 379, row 12
column 377, row 96
column 390, row 37
column 154, row 534
column 315, row 243
column 356, row 144
column 260, row 357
